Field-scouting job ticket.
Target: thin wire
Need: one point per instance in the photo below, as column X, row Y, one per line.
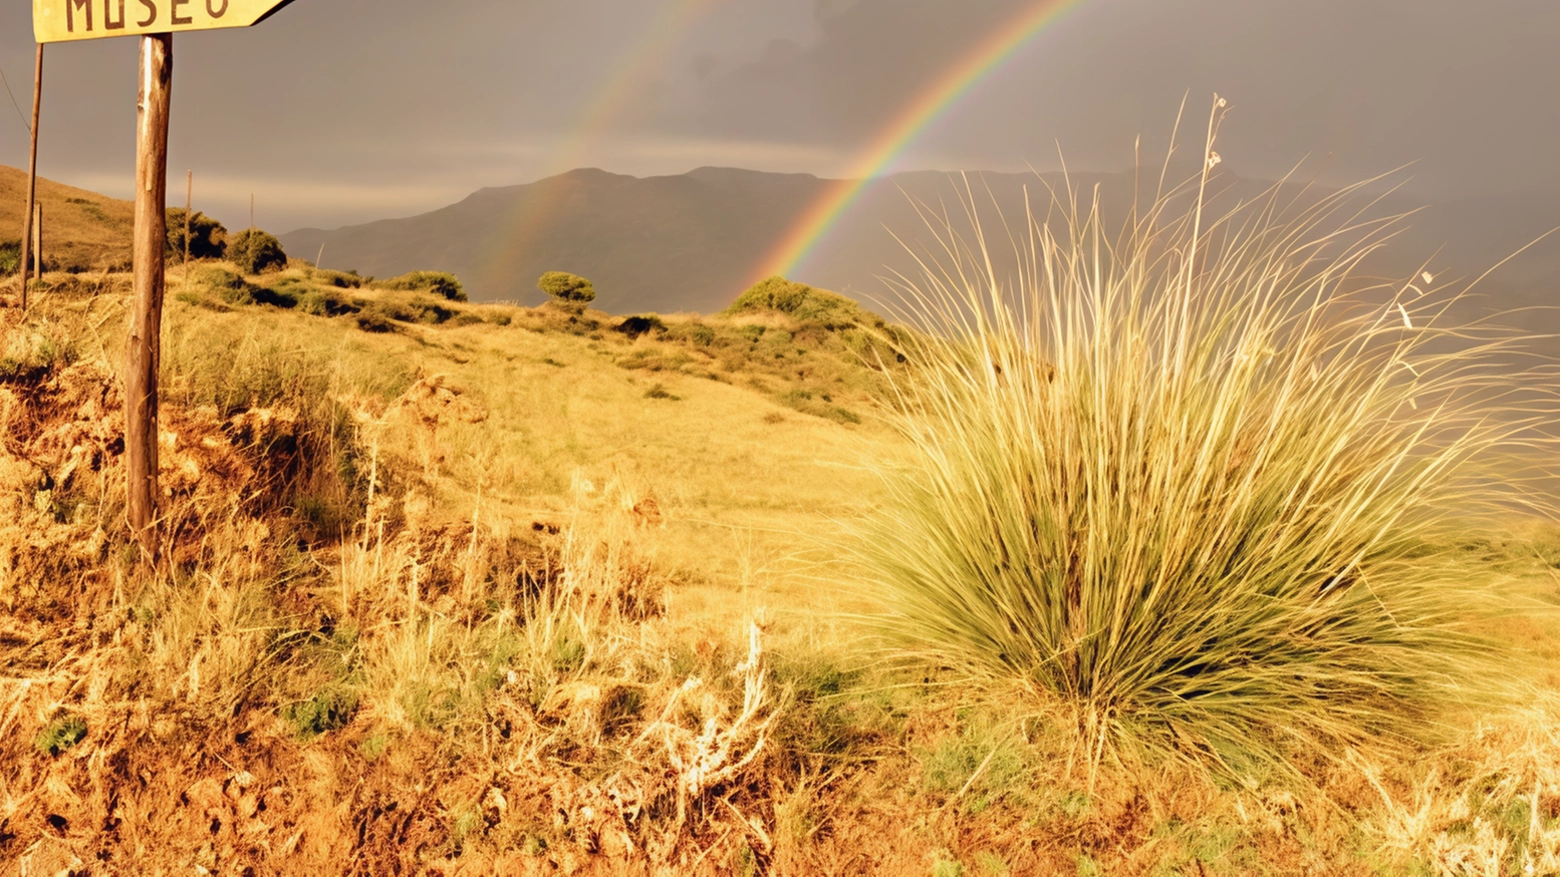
column 18, row 107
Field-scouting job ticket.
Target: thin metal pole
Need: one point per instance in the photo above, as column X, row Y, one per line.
column 151, row 239
column 32, row 177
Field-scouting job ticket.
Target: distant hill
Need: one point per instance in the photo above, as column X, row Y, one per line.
column 692, row 242
column 82, row 230
column 685, row 242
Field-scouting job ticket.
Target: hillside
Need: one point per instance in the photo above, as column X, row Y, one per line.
column 83, row 231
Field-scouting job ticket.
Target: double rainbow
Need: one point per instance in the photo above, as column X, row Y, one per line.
column 619, row 87
column 815, row 223
column 911, row 121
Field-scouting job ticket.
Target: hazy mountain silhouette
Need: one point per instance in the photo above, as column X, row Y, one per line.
column 694, row 241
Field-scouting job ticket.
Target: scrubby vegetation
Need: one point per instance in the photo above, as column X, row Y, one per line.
column 207, row 237
column 568, row 290
column 456, row 588
column 256, row 252
column 439, row 283
column 10, row 257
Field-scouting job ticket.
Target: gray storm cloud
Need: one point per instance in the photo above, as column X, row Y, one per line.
column 345, row 110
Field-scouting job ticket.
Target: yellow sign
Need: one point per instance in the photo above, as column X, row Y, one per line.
column 58, row 21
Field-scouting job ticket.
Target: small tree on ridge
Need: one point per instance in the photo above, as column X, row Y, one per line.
column 568, row 290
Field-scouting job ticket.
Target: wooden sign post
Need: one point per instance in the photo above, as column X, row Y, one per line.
column 155, row 22
column 32, row 177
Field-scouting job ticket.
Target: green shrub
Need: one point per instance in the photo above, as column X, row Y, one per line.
column 228, row 286
column 11, row 260
column 633, row 327
column 439, row 283
column 339, row 279
column 1201, row 506
column 329, row 710
column 692, row 332
column 424, row 309
column 208, row 237
column 280, row 296
column 802, row 303
column 375, row 318
column 256, row 252
column 567, row 289
column 659, row 391
column 327, row 303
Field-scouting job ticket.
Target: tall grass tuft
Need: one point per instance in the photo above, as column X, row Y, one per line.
column 1195, row 478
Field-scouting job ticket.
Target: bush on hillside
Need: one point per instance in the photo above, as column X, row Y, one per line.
column 692, row 332
column 1210, row 524
column 256, row 252
column 328, row 303
column 340, row 279
column 375, row 318
column 569, row 290
column 208, row 237
column 439, row 283
column 10, row 257
column 633, row 327
column 229, row 287
column 804, row 304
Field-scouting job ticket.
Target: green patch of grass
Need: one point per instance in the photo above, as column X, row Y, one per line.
column 659, row 391
column 374, row 745
column 818, row 406
column 692, row 332
column 992, row 864
column 60, row 735
column 655, row 360
column 946, row 864
column 328, row 710
column 568, row 655
column 980, row 763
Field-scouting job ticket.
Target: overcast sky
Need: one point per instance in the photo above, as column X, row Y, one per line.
column 339, row 111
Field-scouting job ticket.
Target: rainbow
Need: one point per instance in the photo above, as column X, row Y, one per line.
column 918, row 115
column 619, row 87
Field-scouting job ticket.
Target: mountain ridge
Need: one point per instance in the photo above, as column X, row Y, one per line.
column 694, row 241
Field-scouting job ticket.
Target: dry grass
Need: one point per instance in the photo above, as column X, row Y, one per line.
column 514, row 617
column 83, row 231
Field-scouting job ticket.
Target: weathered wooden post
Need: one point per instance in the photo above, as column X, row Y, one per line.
column 151, row 236
column 154, row 22
column 32, row 175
